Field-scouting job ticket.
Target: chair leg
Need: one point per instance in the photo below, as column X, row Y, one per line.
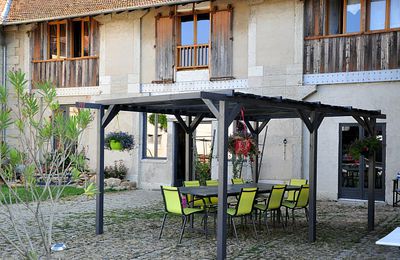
column 266, row 221
column 254, row 227
column 183, row 228
column 162, row 226
column 306, row 210
column 293, row 223
column 234, row 229
column 205, row 224
column 287, row 215
column 281, row 216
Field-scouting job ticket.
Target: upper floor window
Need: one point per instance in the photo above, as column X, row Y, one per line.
column 194, row 38
column 57, row 40
column 69, row 39
column 351, row 16
column 80, row 40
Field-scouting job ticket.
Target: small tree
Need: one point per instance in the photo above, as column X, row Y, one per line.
column 36, row 122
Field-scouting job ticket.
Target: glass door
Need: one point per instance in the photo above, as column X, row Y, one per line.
column 353, row 172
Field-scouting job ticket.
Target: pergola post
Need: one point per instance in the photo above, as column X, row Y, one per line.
column 223, row 125
column 100, row 174
column 312, row 121
column 369, row 124
column 189, row 152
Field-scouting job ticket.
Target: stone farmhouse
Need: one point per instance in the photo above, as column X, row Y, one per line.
column 344, row 52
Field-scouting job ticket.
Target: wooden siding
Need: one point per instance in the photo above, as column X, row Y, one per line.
column 221, row 45
column 378, row 51
column 165, row 49
column 77, row 72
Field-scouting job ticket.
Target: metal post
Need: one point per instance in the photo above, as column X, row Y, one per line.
column 256, row 163
column 313, row 186
column 189, row 152
column 100, row 174
column 223, row 125
column 371, row 181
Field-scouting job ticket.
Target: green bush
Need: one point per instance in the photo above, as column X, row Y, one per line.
column 118, row 170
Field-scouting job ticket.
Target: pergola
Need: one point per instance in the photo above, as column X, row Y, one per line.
column 224, row 107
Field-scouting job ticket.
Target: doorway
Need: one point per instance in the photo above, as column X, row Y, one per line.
column 353, row 172
column 179, row 157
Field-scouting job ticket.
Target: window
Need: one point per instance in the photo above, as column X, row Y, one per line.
column 80, row 41
column 377, row 14
column 57, row 40
column 346, row 16
column 353, row 16
column 155, row 136
column 194, row 39
column 394, row 13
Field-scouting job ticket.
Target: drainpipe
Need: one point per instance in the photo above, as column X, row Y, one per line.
column 4, row 72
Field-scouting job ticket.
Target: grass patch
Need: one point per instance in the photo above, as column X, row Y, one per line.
column 8, row 196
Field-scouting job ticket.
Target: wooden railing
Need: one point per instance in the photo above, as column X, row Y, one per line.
column 347, row 53
column 68, row 72
column 193, row 56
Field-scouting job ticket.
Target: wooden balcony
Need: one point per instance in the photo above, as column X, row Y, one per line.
column 348, row 53
column 193, row 56
column 67, row 72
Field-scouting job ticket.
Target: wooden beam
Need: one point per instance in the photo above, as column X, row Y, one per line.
column 312, row 219
column 233, row 113
column 263, row 125
column 182, row 123
column 212, row 107
column 196, row 122
column 100, row 174
column 305, row 118
column 112, row 111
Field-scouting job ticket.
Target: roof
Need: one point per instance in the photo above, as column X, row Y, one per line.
column 24, row 11
column 257, row 108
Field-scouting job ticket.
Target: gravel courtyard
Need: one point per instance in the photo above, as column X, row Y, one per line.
column 133, row 220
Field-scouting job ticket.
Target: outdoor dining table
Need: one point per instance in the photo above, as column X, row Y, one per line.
column 232, row 189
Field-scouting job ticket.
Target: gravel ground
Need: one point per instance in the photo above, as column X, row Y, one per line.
column 133, row 220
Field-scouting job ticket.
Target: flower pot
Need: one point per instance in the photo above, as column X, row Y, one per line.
column 242, row 146
column 115, row 145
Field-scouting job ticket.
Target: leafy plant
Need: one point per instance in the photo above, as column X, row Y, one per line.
column 203, row 171
column 127, row 141
column 364, row 147
column 118, row 170
column 161, row 120
column 31, row 158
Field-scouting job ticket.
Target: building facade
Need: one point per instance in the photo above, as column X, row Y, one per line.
column 337, row 52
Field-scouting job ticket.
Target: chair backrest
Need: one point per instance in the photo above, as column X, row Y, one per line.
column 292, row 195
column 276, row 197
column 237, row 181
column 211, row 182
column 172, row 199
column 304, row 194
column 191, row 183
column 246, row 201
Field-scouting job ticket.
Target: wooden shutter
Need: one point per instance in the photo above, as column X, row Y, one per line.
column 39, row 42
column 165, row 49
column 221, row 45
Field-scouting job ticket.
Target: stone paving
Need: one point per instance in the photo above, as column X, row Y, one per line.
column 133, row 220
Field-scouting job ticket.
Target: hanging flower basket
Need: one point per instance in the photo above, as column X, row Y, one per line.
column 242, row 144
column 364, row 147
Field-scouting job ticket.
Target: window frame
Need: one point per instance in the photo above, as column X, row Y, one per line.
column 58, row 46
column 178, row 40
column 364, row 21
column 82, row 21
column 144, row 139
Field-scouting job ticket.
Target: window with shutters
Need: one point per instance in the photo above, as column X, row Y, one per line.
column 194, row 41
column 196, row 37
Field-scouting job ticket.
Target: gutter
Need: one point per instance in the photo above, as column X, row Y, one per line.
column 4, row 73
column 6, row 10
column 109, row 11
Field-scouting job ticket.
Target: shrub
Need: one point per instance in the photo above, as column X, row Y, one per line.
column 118, row 170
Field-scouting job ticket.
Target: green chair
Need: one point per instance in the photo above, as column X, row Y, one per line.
column 244, row 207
column 273, row 203
column 292, row 195
column 301, row 202
column 191, row 200
column 173, row 205
column 213, row 200
column 237, row 181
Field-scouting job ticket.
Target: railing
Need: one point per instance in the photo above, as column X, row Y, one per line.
column 193, row 56
column 67, row 72
column 351, row 53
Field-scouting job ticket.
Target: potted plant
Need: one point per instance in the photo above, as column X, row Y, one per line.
column 242, row 146
column 364, row 147
column 119, row 141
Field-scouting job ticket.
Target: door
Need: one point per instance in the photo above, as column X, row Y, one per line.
column 353, row 172
column 179, row 155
